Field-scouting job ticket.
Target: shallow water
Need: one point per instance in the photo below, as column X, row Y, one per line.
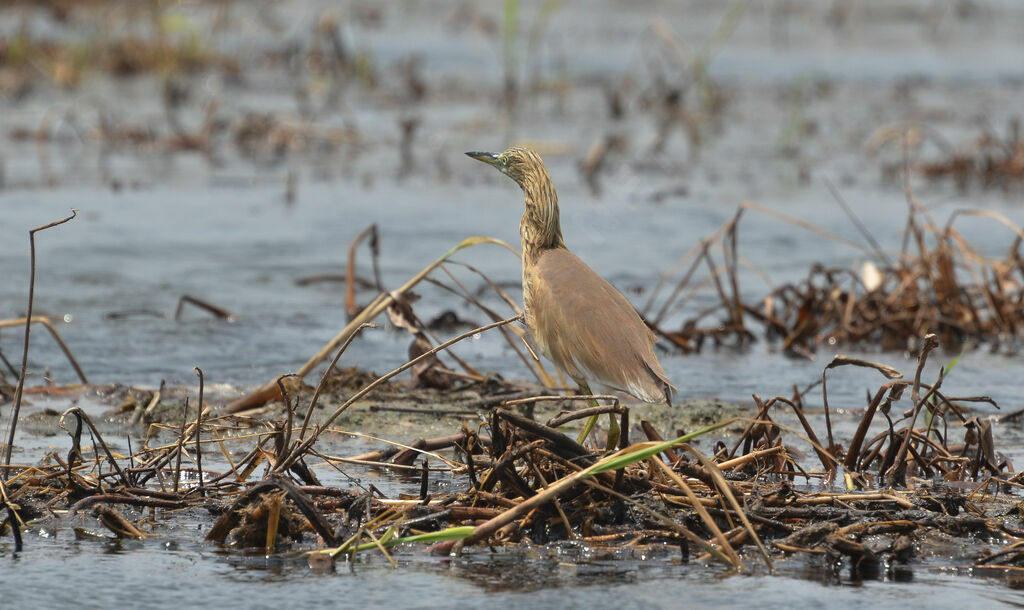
column 153, row 226
column 168, row 572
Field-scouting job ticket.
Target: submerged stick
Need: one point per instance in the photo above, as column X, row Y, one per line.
column 220, row 312
column 115, row 498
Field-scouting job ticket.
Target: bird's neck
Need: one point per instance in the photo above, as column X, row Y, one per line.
column 540, row 229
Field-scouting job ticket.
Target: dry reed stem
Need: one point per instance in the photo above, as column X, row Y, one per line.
column 20, row 388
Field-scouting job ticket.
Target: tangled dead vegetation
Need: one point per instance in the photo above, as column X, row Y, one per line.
column 939, row 283
column 990, row 160
column 920, row 468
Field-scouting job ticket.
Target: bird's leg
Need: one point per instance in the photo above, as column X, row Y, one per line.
column 613, row 426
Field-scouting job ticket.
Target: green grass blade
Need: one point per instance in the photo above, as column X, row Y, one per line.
column 451, row 533
column 621, row 461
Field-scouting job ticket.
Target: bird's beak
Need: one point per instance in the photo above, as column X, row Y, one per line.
column 488, row 158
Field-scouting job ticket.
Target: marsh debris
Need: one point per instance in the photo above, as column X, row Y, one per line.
column 989, row 160
column 938, row 283
column 920, row 468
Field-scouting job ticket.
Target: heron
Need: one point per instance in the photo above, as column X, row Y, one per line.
column 576, row 318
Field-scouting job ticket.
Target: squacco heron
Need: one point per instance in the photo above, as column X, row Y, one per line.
column 578, row 320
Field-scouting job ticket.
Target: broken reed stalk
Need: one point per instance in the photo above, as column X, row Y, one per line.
column 879, row 252
column 289, row 406
column 615, row 407
column 153, row 402
column 841, row 360
column 896, row 473
column 402, row 316
column 565, row 418
column 828, row 461
column 709, row 522
column 897, row 470
column 269, row 391
column 48, row 325
column 325, row 376
column 20, row 389
column 423, row 446
column 731, row 254
column 273, row 520
column 181, row 442
column 725, row 489
column 13, row 520
column 81, row 416
column 132, row 500
column 351, row 308
column 854, row 451
column 199, row 429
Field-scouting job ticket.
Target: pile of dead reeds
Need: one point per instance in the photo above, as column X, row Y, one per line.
column 990, row 160
column 938, row 283
column 907, row 473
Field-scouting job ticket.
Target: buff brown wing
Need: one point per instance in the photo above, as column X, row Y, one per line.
column 591, row 331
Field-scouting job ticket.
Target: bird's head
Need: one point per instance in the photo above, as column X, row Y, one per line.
column 540, row 228
column 520, row 164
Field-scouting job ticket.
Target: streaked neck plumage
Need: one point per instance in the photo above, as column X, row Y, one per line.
column 540, row 229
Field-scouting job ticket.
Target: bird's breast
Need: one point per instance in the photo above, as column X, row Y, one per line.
column 529, row 317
